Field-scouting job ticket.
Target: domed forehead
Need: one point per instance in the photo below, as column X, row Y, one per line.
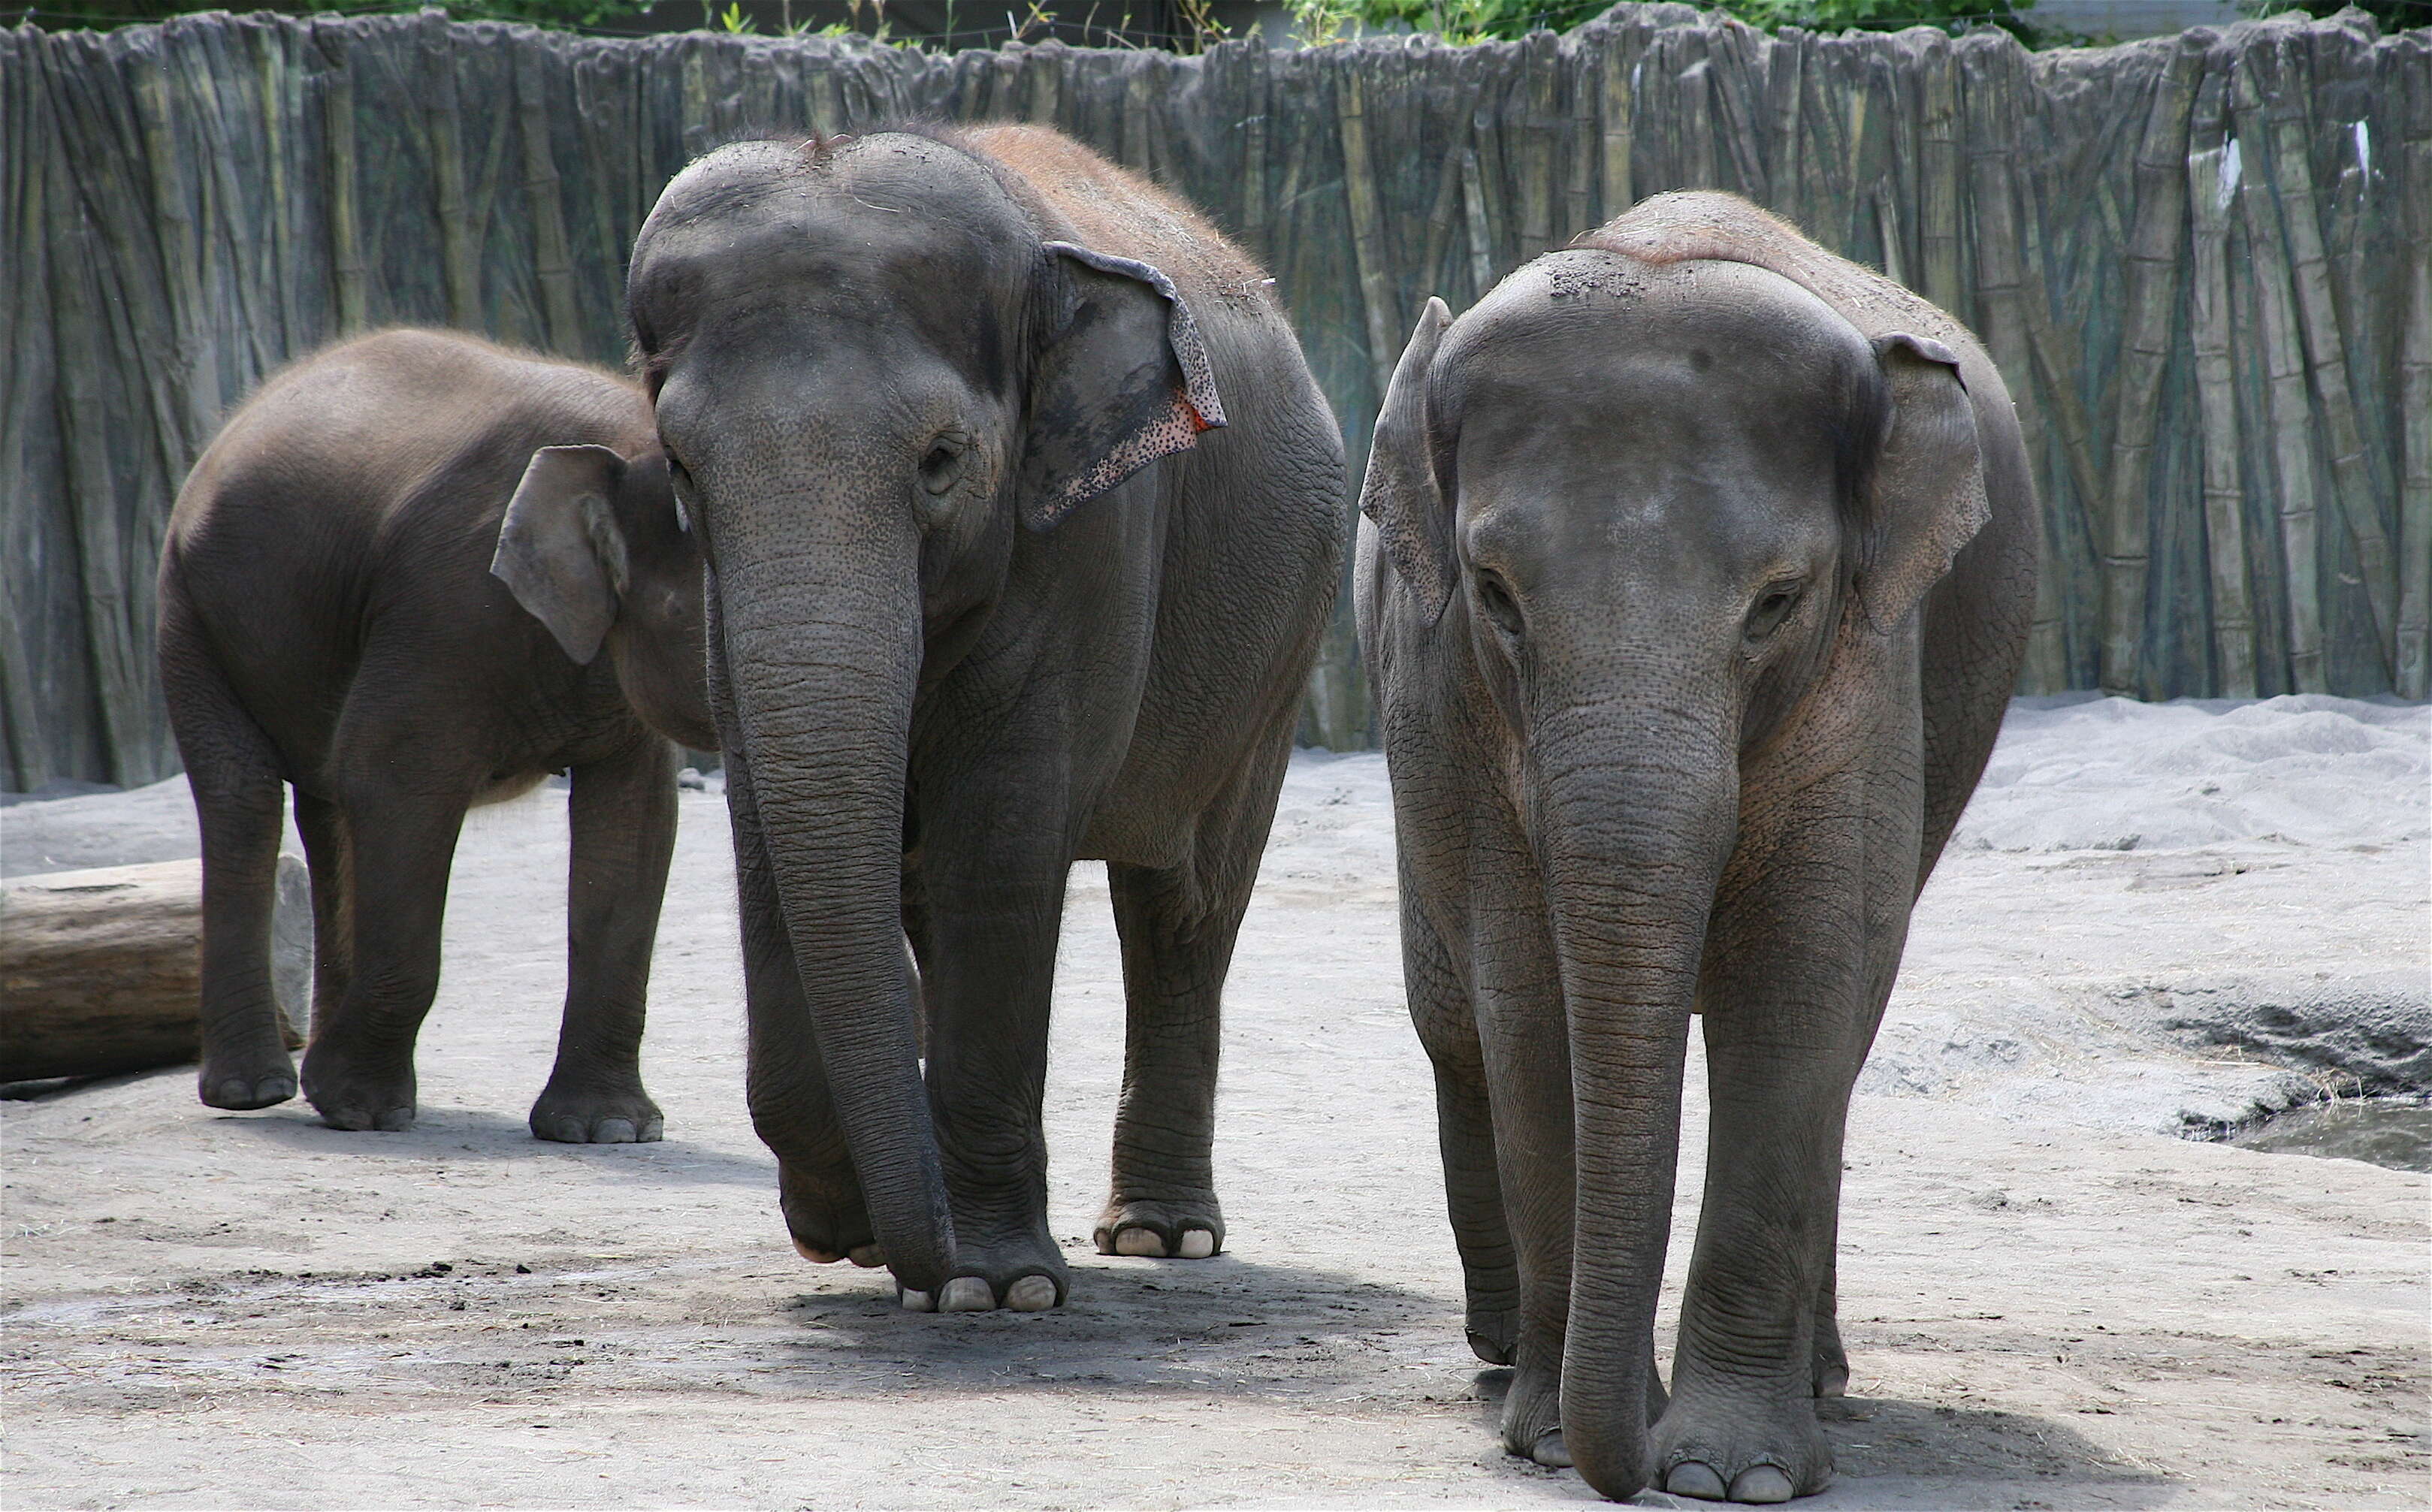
column 898, row 219
column 1598, row 327
column 878, row 190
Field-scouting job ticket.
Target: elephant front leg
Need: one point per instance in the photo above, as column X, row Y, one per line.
column 994, row 906
column 622, row 813
column 1515, row 986
column 1795, row 978
column 1447, row 1029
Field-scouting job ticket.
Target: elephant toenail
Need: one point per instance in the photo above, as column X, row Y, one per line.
column 1140, row 1242
column 966, row 1294
column 1549, row 1450
column 1031, row 1293
column 1690, row 1478
column 1761, row 1482
column 917, row 1302
column 652, row 1130
column 564, row 1130
column 614, row 1131
column 867, row 1256
column 817, row 1257
column 1197, row 1244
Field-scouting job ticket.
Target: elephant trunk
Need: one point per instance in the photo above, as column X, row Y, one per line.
column 821, row 645
column 1638, row 808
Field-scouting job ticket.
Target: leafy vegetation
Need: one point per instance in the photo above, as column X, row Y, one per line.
column 1472, row 21
column 106, row 13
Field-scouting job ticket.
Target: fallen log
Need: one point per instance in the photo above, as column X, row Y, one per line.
column 101, row 970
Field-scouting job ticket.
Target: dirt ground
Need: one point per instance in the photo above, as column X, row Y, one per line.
column 2048, row 1302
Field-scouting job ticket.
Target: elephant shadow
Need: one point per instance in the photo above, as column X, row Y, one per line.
column 456, row 1133
column 1221, row 1326
column 1959, row 1454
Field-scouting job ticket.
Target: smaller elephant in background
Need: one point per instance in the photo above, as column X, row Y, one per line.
column 1697, row 574
column 389, row 583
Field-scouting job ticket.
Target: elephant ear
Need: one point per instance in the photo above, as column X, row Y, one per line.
column 1928, row 496
column 561, row 551
column 1401, row 492
column 1124, row 381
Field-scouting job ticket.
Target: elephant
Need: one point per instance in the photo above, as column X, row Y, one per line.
column 1695, row 574
column 1023, row 518
column 388, row 583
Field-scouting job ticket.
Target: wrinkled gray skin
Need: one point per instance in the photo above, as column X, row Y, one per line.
column 1699, row 713
column 944, row 671
column 330, row 619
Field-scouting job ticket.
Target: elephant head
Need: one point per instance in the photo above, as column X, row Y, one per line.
column 595, row 546
column 1652, row 509
column 881, row 379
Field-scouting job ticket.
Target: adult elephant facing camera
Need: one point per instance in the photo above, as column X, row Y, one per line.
column 999, row 581
column 1699, row 577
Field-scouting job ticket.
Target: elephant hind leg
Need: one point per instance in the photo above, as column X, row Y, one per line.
column 1178, row 926
column 1162, row 1202
column 401, row 843
column 239, row 798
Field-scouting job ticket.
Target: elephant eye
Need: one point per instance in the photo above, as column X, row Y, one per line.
column 1772, row 606
column 942, row 467
column 1494, row 597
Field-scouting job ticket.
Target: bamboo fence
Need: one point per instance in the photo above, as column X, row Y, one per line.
column 2204, row 262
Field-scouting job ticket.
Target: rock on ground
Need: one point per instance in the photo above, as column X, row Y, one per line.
column 2048, row 1302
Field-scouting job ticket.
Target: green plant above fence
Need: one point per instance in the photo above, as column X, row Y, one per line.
column 2201, row 261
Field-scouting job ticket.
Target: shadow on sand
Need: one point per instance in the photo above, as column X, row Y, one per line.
column 1223, row 1326
column 454, row 1134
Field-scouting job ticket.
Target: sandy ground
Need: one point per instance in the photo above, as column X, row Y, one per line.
column 2154, row 919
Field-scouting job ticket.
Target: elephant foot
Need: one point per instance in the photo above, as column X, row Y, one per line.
column 1160, row 1230
column 1024, row 1276
column 1740, row 1451
column 825, row 1215
column 1494, row 1334
column 247, row 1081
column 358, row 1099
column 1830, row 1370
column 597, row 1115
column 1532, row 1428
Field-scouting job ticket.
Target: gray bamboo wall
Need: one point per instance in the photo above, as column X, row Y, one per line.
column 2204, row 264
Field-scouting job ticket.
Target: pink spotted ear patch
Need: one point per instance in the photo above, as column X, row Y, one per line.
column 1198, row 393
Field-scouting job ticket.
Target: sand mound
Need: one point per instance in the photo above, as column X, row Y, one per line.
column 2080, row 773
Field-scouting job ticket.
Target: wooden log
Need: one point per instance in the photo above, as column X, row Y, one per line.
column 2209, row 192
column 1786, row 85
column 1254, row 158
column 1579, row 157
column 1937, row 177
column 552, row 252
column 1367, row 230
column 2326, row 360
column 2413, row 679
column 1620, row 70
column 1486, row 132
column 338, row 207
column 460, row 261
column 2292, row 430
column 1440, row 217
column 29, row 345
column 101, row 970
column 2151, row 301
column 1534, row 141
column 1993, row 111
